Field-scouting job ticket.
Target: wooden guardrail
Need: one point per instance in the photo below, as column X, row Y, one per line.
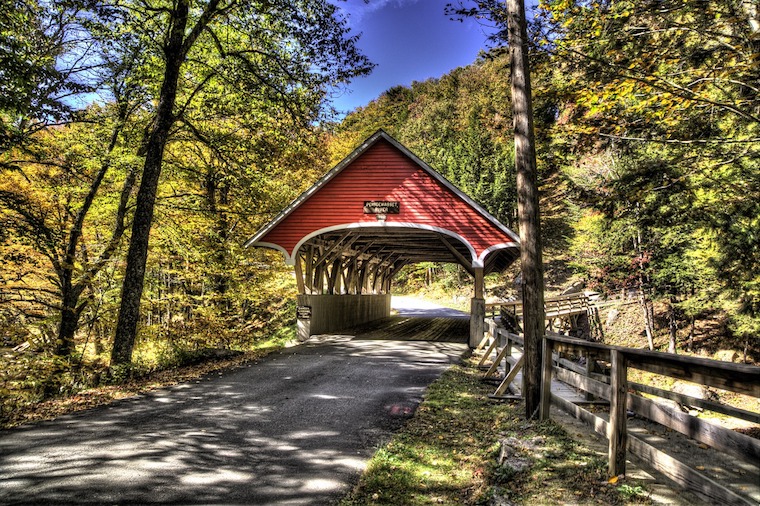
column 740, row 378
column 574, row 303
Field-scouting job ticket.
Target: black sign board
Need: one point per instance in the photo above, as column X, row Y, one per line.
column 381, row 207
column 303, row 312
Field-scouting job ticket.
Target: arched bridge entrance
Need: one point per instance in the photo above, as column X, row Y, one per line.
column 378, row 210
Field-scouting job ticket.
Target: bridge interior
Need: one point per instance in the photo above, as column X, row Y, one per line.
column 414, row 320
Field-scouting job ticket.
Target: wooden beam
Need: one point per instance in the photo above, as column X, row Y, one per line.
column 462, row 260
column 618, row 435
column 299, row 274
column 309, row 278
column 339, row 252
column 509, row 378
column 330, row 249
column 488, row 352
column 716, row 407
column 725, row 440
column 740, row 378
column 479, row 282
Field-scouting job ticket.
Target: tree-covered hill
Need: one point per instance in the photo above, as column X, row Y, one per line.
column 647, row 120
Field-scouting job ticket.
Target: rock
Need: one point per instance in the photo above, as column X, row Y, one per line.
column 700, row 392
column 612, row 316
column 576, row 287
column 726, row 355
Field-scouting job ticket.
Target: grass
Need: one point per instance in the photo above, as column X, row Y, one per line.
column 448, row 453
column 23, row 399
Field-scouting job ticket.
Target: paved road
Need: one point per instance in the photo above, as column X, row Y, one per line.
column 410, row 306
column 295, row 428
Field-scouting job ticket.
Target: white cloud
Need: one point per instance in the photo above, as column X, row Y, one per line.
column 357, row 10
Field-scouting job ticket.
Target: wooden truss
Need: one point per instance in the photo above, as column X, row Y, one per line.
column 365, row 260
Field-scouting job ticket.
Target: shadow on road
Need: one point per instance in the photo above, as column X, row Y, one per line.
column 295, row 428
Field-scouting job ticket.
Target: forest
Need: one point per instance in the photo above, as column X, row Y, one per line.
column 142, row 142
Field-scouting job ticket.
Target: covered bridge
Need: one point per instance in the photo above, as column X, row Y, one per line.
column 378, row 210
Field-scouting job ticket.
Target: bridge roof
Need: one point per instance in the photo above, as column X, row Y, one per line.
column 382, row 201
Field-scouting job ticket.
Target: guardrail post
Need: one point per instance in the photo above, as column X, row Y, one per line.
column 618, row 433
column 589, row 369
column 546, row 379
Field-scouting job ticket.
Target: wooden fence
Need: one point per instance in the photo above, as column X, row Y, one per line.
column 616, row 389
column 575, row 303
column 603, row 374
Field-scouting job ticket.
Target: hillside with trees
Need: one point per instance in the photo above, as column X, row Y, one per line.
column 648, row 150
column 141, row 143
column 133, row 166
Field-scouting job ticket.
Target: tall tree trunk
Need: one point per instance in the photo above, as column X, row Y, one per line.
column 527, row 206
column 134, row 276
column 71, row 292
column 672, row 325
column 648, row 325
column 69, row 320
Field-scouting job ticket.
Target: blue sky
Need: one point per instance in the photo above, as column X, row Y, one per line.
column 409, row 40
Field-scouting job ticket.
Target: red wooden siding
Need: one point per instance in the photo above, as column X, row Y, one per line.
column 381, row 173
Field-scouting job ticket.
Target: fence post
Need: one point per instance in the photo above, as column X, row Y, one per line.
column 546, row 379
column 618, row 434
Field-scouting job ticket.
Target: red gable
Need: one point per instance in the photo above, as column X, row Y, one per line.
column 383, row 171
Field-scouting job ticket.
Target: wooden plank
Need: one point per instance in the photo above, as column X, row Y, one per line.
column 700, row 430
column 329, row 250
column 684, row 475
column 491, row 334
column 715, row 374
column 618, row 418
column 723, row 439
column 488, row 353
column 299, row 275
column 600, row 425
column 567, row 364
column 687, row 400
column 741, row 378
column 546, row 380
column 512, row 337
column 681, row 474
column 495, row 366
column 585, row 383
column 509, row 378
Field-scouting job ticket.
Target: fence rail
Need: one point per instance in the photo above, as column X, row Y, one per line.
column 604, row 375
column 740, row 378
column 574, row 303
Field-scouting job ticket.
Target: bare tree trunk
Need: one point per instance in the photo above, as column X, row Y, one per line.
column 648, row 327
column 692, row 331
column 527, row 206
column 672, row 327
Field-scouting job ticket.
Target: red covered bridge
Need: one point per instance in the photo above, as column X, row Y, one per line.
column 378, row 210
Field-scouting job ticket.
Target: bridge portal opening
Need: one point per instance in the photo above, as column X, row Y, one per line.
column 378, row 210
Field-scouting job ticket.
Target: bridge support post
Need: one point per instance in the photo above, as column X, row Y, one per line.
column 477, row 321
column 478, row 309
